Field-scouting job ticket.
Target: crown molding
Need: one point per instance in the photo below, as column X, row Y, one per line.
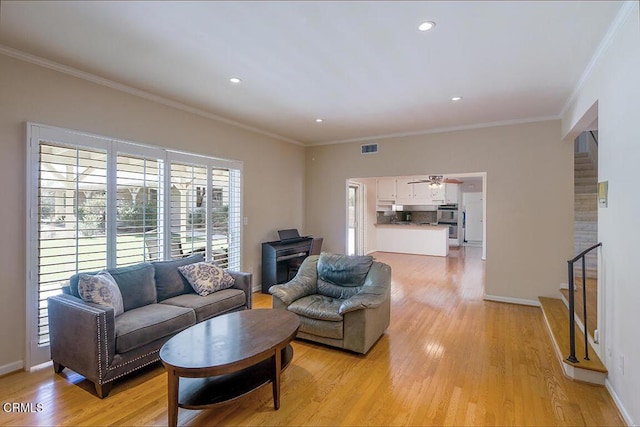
column 439, row 130
column 615, row 26
column 36, row 60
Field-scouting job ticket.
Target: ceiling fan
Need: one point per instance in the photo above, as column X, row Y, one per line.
column 436, row 181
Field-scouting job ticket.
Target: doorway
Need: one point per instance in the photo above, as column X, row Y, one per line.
column 355, row 218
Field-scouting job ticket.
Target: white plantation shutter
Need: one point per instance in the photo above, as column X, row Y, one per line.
column 97, row 203
column 139, row 209
column 72, row 202
column 234, row 229
column 188, row 209
column 206, row 212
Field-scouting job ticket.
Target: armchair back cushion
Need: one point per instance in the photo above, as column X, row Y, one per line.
column 169, row 281
column 342, row 276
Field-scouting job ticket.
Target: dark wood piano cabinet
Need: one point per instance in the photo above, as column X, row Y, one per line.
column 276, row 256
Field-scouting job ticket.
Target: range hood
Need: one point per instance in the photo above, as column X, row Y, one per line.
column 419, row 208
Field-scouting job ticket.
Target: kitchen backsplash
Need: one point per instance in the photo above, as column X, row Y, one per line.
column 417, row 217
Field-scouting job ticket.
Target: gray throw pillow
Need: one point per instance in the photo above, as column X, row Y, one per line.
column 101, row 289
column 206, row 278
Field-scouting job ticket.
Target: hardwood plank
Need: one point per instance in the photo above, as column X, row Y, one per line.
column 448, row 358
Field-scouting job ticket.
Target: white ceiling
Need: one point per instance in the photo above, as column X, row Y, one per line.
column 361, row 66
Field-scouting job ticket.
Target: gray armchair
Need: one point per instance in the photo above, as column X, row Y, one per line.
column 341, row 300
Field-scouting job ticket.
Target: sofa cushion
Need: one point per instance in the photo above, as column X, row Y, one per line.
column 317, row 307
column 101, row 289
column 211, row 305
column 140, row 326
column 206, row 278
column 169, row 281
column 136, row 284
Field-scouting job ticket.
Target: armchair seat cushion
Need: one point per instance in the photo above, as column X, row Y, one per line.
column 140, row 326
column 321, row 328
column 211, row 305
column 318, row 307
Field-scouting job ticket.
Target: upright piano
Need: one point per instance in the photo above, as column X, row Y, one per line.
column 276, row 256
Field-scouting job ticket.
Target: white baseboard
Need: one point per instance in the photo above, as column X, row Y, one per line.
column 509, row 300
column 11, row 367
column 618, row 402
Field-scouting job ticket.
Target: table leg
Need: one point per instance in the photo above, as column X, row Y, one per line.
column 173, row 382
column 277, row 368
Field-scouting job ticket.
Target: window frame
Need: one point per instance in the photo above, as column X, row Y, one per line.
column 38, row 353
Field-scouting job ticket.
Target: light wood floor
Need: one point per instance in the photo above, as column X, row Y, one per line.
column 448, row 358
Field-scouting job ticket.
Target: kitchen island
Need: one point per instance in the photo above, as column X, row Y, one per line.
column 412, row 238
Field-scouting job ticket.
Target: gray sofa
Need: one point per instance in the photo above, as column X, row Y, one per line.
column 158, row 303
column 342, row 301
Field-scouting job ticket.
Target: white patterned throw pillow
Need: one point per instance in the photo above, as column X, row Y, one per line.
column 101, row 289
column 206, row 278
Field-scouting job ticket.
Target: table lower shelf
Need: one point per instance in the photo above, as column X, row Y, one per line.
column 201, row 393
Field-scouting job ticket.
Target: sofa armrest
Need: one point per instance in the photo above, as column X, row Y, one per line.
column 374, row 292
column 304, row 283
column 243, row 281
column 82, row 336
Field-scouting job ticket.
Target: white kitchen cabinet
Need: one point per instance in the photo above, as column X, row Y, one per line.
column 452, row 193
column 412, row 194
column 386, row 190
column 404, row 191
column 438, row 195
column 422, row 193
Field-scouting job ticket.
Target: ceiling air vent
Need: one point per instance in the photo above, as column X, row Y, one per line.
column 369, row 148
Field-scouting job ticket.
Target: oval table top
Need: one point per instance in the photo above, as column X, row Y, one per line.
column 230, row 341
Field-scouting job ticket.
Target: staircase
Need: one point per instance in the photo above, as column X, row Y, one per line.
column 585, row 219
column 556, row 312
column 556, row 315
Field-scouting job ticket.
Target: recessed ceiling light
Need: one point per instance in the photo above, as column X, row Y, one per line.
column 319, row 120
column 456, row 98
column 426, row 26
column 235, row 80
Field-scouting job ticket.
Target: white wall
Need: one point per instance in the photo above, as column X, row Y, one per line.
column 273, row 170
column 529, row 195
column 614, row 84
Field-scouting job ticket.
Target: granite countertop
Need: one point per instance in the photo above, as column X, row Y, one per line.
column 412, row 225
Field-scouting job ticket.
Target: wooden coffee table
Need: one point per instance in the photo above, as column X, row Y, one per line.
column 227, row 357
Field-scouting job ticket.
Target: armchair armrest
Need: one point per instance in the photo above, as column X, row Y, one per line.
column 82, row 336
column 243, row 282
column 303, row 284
column 374, row 292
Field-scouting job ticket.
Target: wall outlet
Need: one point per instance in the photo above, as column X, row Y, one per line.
column 246, row 220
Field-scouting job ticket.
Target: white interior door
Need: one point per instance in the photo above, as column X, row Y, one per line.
column 473, row 219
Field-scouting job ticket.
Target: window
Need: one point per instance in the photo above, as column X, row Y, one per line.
column 97, row 203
